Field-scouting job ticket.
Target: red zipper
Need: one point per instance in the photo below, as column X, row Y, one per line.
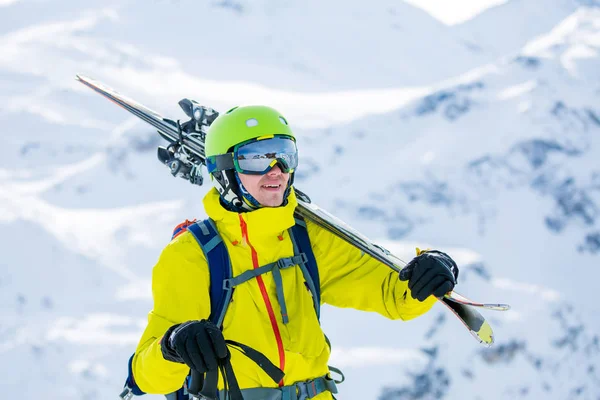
column 265, row 295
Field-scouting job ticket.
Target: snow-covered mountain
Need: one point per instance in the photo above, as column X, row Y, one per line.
column 481, row 139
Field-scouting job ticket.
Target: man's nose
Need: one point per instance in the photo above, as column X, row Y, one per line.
column 276, row 170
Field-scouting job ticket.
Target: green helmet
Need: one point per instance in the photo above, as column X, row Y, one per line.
column 241, row 124
column 236, row 126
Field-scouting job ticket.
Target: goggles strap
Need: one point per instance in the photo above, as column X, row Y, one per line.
column 222, row 162
column 250, row 201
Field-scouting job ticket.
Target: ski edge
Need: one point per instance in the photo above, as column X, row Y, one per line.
column 460, row 299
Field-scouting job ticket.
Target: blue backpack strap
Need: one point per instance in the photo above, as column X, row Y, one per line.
column 301, row 243
column 219, row 265
column 131, row 388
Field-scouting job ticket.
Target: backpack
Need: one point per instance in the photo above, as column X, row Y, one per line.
column 222, row 284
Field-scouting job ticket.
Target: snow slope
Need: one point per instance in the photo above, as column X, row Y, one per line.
column 480, row 139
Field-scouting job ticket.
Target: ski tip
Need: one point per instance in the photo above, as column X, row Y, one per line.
column 484, row 335
column 498, row 307
column 83, row 79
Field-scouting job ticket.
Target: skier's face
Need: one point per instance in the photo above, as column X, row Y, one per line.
column 267, row 189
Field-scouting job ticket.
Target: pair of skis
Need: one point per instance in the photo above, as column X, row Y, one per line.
column 185, row 155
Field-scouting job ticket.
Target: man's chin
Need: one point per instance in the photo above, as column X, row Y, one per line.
column 272, row 202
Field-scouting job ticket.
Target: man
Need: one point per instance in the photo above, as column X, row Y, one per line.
column 251, row 155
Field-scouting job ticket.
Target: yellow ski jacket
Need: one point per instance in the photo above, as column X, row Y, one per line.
column 180, row 288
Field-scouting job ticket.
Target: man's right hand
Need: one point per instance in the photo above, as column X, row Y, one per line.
column 199, row 344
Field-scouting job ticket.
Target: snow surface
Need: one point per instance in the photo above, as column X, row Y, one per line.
column 480, row 139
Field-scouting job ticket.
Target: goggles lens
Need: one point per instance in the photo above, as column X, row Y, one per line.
column 259, row 156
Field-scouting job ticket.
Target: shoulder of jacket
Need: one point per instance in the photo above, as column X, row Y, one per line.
column 185, row 243
column 320, row 237
column 315, row 229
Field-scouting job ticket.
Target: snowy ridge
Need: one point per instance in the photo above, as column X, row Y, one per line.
column 484, row 145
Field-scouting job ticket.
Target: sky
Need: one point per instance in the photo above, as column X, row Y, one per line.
column 453, row 12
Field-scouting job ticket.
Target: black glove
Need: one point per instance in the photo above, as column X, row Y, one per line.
column 199, row 344
column 430, row 273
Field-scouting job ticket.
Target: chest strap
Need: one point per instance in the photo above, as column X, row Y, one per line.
column 275, row 268
column 297, row 391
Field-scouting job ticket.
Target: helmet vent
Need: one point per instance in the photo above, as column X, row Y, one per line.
column 283, row 121
column 251, row 122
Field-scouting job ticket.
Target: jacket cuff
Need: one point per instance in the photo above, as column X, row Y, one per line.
column 169, row 353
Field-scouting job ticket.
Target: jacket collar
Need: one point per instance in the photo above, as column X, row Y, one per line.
column 264, row 222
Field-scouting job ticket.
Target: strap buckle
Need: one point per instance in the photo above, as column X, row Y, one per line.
column 302, row 390
column 126, row 394
column 309, row 389
column 287, row 262
column 303, row 258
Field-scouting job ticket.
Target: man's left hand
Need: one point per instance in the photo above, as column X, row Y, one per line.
column 430, row 273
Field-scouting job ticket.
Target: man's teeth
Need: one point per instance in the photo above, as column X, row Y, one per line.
column 271, row 186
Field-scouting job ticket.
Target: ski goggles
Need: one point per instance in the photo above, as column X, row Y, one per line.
column 258, row 156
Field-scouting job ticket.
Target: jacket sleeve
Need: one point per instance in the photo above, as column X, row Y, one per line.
column 180, row 289
column 351, row 279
